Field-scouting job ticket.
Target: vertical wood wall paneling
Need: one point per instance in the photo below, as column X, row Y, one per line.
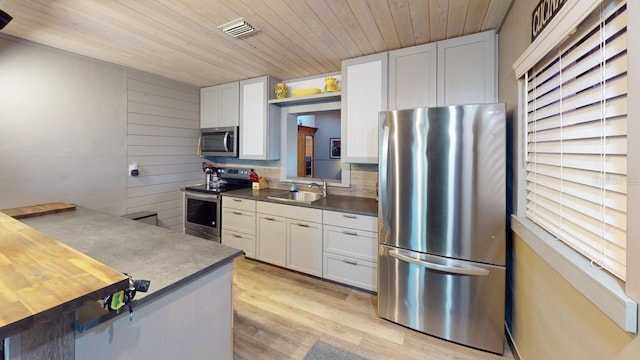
column 163, row 126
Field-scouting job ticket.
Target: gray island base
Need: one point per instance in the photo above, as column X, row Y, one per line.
column 187, row 313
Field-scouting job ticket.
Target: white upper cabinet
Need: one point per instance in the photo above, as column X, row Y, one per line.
column 230, row 104
column 259, row 121
column 364, row 94
column 412, row 77
column 209, row 103
column 467, row 69
column 220, row 105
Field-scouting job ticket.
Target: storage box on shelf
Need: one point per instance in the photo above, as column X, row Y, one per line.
column 239, row 224
column 350, row 251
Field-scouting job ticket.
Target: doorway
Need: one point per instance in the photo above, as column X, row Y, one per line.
column 306, row 156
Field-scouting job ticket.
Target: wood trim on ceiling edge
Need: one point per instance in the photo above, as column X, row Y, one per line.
column 560, row 27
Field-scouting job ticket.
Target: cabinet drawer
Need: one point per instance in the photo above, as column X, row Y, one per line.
column 353, row 221
column 290, row 211
column 238, row 203
column 244, row 242
column 239, row 220
column 346, row 270
column 354, row 243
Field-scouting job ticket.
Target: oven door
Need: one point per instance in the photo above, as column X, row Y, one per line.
column 202, row 215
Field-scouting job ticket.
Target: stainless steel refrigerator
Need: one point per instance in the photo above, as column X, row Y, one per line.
column 442, row 214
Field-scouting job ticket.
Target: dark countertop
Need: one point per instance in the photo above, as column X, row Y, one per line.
column 167, row 258
column 348, row 204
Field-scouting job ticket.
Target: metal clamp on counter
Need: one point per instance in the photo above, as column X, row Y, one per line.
column 119, row 299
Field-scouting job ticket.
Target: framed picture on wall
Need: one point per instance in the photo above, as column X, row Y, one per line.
column 334, row 148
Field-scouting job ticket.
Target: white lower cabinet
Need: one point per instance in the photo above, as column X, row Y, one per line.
column 246, row 243
column 350, row 249
column 338, row 246
column 272, row 239
column 351, row 271
column 290, row 236
column 239, row 224
column 305, row 247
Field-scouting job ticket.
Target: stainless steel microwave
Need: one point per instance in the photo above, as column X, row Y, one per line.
column 221, row 141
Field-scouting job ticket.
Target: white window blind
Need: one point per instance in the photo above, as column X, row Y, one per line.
column 577, row 140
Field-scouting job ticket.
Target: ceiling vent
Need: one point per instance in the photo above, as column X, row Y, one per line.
column 4, row 19
column 238, row 28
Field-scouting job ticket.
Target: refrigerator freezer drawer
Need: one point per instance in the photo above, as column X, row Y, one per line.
column 461, row 301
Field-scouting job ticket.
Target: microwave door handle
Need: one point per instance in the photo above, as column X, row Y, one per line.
column 226, row 141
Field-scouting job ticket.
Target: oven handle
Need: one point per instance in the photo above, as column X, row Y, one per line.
column 201, row 232
column 195, row 195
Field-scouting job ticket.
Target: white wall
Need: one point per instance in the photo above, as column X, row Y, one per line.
column 69, row 125
column 163, row 127
column 328, row 125
column 62, row 127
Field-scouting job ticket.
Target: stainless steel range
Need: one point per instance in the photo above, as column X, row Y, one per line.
column 203, row 203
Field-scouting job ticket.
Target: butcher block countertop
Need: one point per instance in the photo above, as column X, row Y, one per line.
column 167, row 258
column 38, row 210
column 42, row 278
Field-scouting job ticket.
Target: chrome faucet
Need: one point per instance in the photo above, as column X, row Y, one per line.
column 322, row 187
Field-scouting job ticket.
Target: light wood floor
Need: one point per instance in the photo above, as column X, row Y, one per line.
column 279, row 314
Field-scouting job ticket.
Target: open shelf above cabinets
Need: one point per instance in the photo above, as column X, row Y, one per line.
column 309, row 99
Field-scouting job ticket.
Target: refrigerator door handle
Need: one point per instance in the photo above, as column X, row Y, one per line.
column 468, row 270
column 383, row 203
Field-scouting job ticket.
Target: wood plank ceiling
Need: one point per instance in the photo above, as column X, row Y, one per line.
column 180, row 39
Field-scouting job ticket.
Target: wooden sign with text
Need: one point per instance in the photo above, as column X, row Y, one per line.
column 542, row 15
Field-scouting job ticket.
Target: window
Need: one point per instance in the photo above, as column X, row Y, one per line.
column 576, row 140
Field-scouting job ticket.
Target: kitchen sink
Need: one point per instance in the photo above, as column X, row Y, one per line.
column 298, row 196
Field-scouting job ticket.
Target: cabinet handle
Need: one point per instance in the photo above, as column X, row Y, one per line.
column 237, row 200
column 352, row 233
column 349, row 216
column 236, row 212
column 270, row 219
column 350, row 262
column 303, row 225
column 236, row 235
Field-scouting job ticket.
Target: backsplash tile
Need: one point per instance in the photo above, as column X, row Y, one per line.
column 364, row 178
